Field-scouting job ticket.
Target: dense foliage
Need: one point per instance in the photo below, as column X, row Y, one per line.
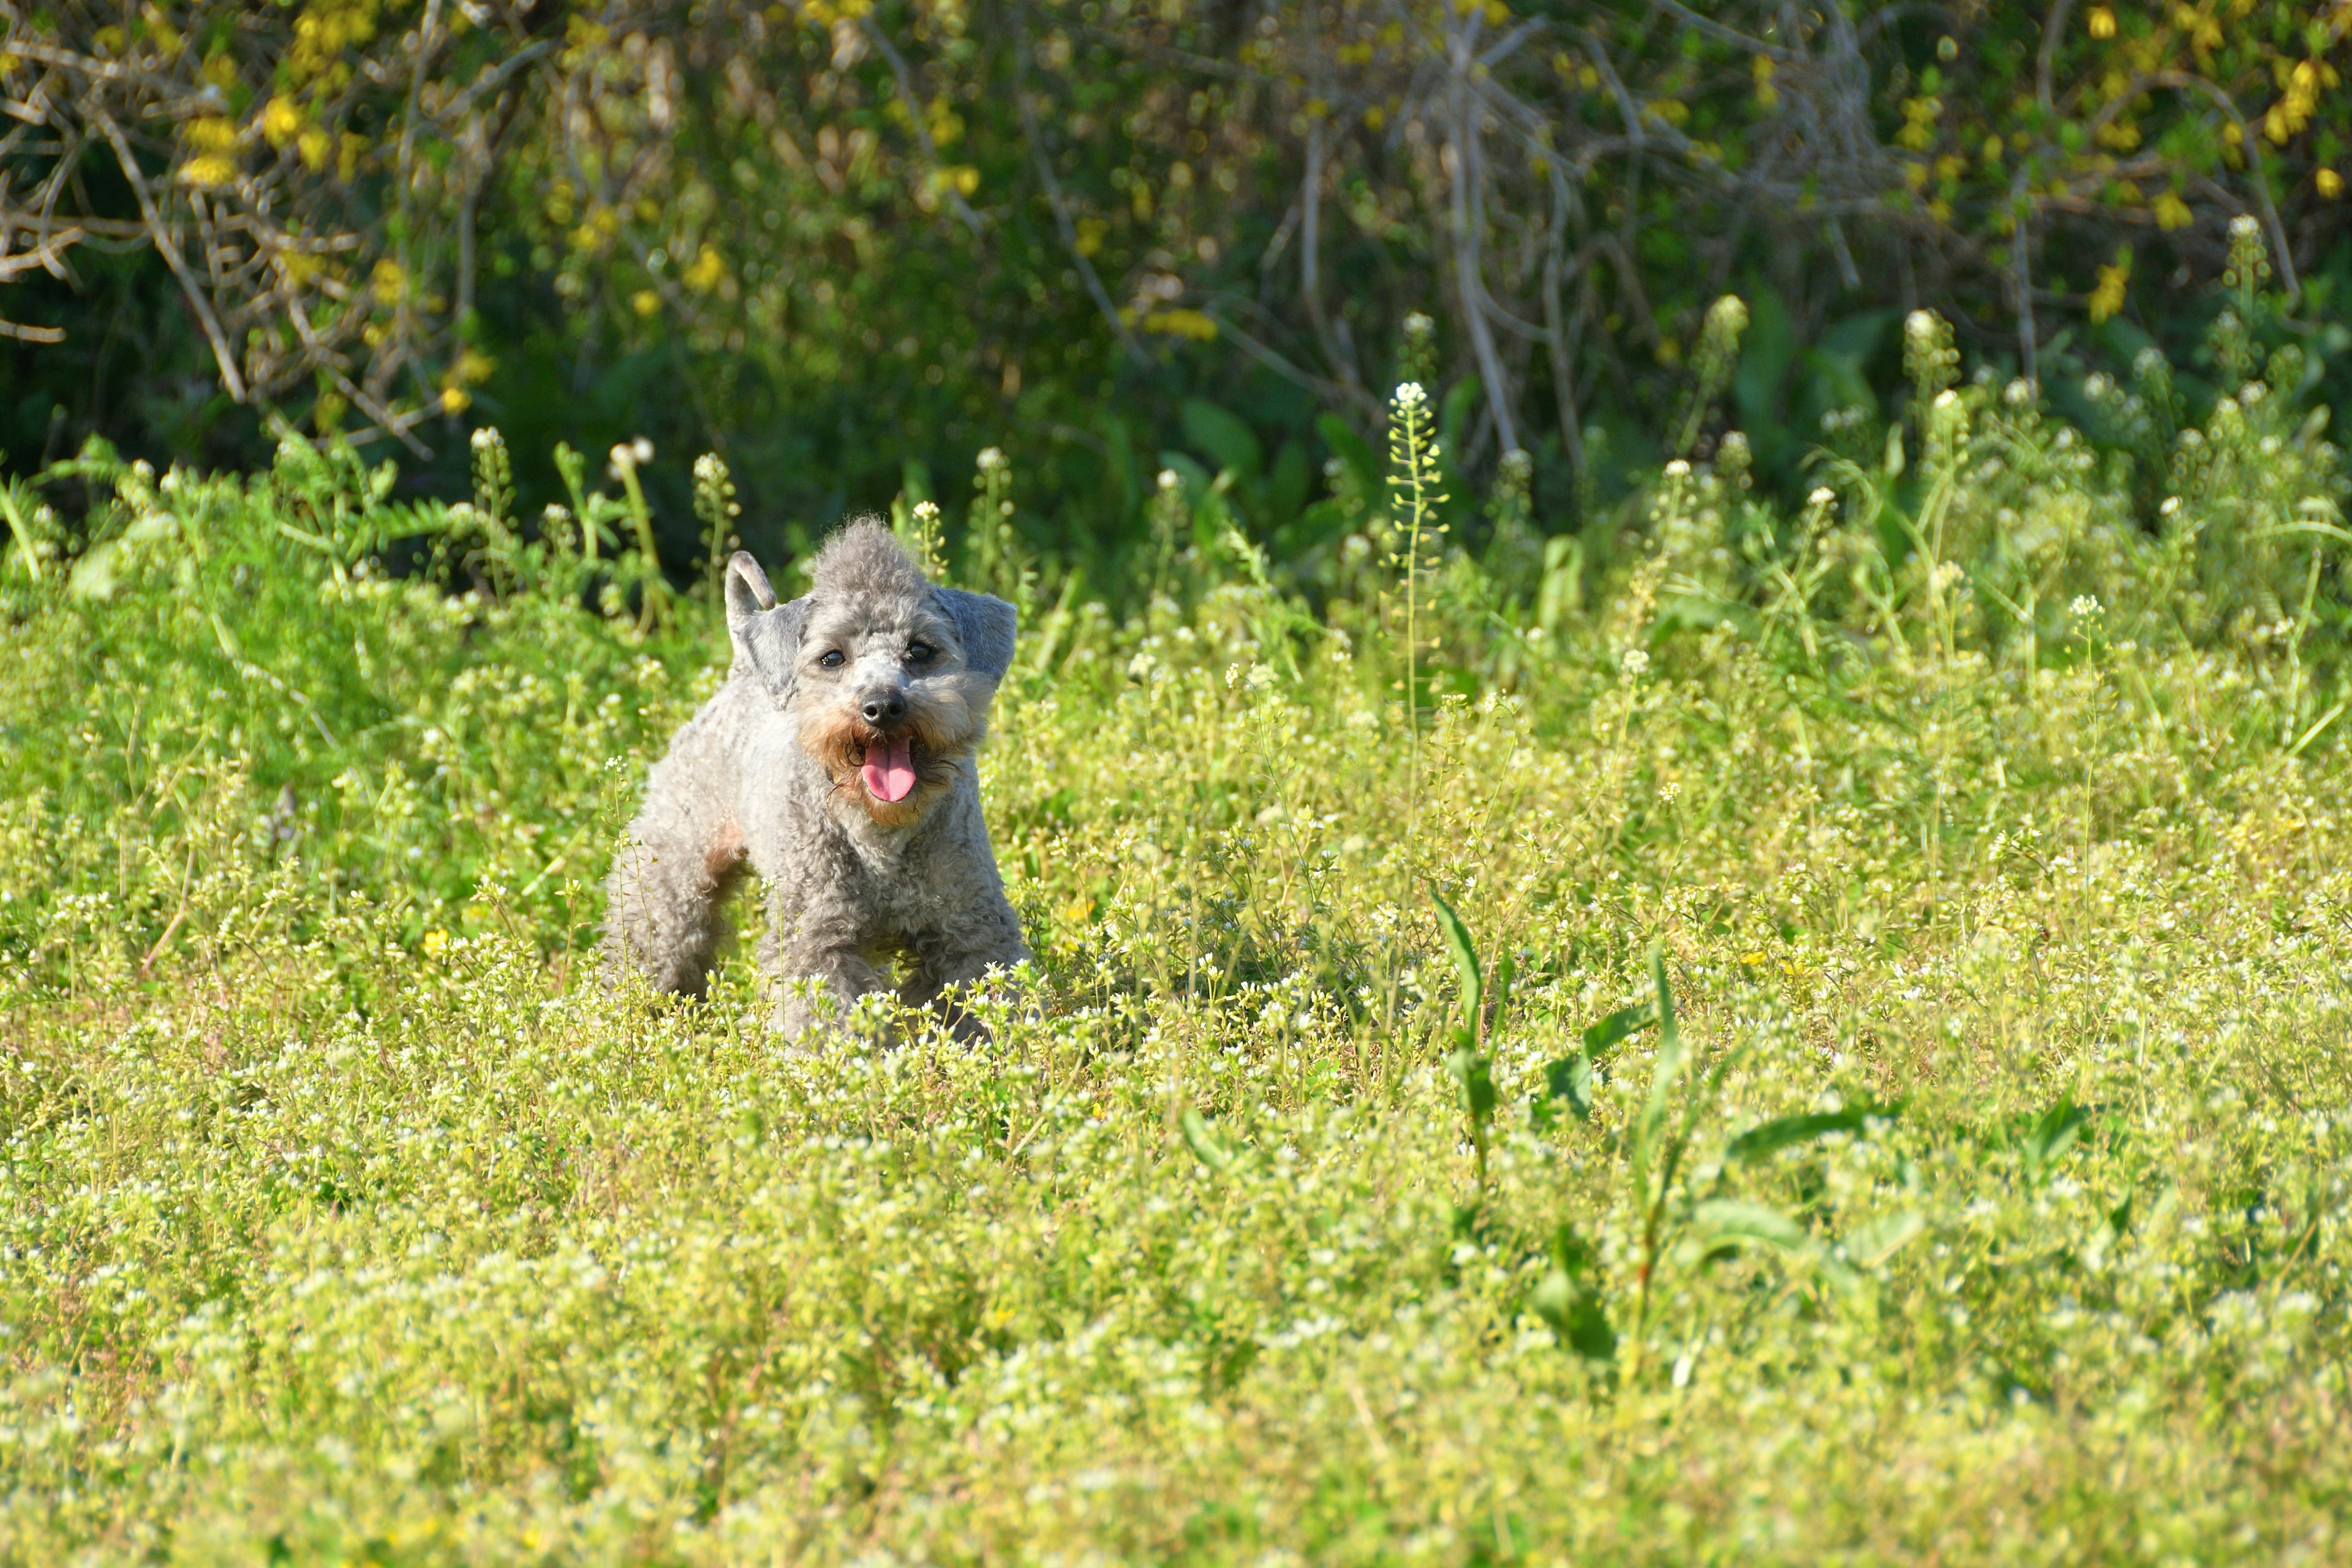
column 829, row 240
column 1883, row 1093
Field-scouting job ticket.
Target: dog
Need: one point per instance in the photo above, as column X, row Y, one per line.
column 837, row 762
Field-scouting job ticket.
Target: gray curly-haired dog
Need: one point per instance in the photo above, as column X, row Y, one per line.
column 837, row 762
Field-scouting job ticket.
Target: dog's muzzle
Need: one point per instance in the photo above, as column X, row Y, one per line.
column 889, row 765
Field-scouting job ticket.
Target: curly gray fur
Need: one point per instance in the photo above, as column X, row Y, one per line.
column 835, row 703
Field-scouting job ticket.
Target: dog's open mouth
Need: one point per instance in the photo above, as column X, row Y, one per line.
column 889, row 767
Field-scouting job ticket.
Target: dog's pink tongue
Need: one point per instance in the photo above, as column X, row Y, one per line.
column 890, row 767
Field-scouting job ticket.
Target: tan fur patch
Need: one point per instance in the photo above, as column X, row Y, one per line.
column 726, row 851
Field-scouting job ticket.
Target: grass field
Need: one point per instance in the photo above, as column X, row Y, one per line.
column 1982, row 1198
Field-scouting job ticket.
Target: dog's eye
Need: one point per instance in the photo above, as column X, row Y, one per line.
column 833, row 658
column 918, row 651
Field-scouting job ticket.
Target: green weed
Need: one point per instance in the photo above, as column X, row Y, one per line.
column 1873, row 1085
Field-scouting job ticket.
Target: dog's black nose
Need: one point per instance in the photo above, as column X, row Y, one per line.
column 885, row 710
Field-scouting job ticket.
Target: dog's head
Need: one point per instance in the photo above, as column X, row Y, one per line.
column 884, row 679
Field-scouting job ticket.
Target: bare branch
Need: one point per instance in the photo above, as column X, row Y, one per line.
column 904, row 78
column 1062, row 221
column 1719, row 33
column 167, row 243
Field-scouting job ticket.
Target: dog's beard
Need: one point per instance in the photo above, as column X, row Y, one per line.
column 895, row 776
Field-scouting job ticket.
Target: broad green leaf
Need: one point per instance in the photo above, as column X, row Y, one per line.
column 1474, row 1075
column 1601, row 1038
column 1883, row 1237
column 1767, row 1137
column 1227, row 439
column 1670, row 1040
column 1721, row 1223
column 1668, row 1068
column 1571, row 1251
column 1721, row 1220
column 2054, row 1133
column 1202, row 1142
column 1571, row 1078
column 1466, row 960
column 1363, row 465
column 1575, row 1314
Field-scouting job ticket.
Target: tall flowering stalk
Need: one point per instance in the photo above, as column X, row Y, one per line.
column 1413, row 479
column 716, row 507
column 923, row 538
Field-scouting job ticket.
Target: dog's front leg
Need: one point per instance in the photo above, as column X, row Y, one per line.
column 834, row 979
column 827, row 955
column 942, row 964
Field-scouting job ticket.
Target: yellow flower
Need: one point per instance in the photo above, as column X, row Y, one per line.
column 2108, row 297
column 207, row 170
column 1920, row 117
column 387, row 281
column 1193, row 324
column 2171, row 212
column 2330, row 183
column 210, row 134
column 2102, row 22
column 708, row 269
column 645, row 302
column 454, row 400
column 281, row 121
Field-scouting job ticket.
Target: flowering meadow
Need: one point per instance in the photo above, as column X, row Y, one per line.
column 1777, row 1037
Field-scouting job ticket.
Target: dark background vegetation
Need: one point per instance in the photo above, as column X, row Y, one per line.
column 847, row 246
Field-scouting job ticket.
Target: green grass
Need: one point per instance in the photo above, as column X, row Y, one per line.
column 1983, row 1199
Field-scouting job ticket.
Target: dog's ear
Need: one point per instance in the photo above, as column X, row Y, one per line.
column 768, row 646
column 747, row 589
column 984, row 625
column 766, row 635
